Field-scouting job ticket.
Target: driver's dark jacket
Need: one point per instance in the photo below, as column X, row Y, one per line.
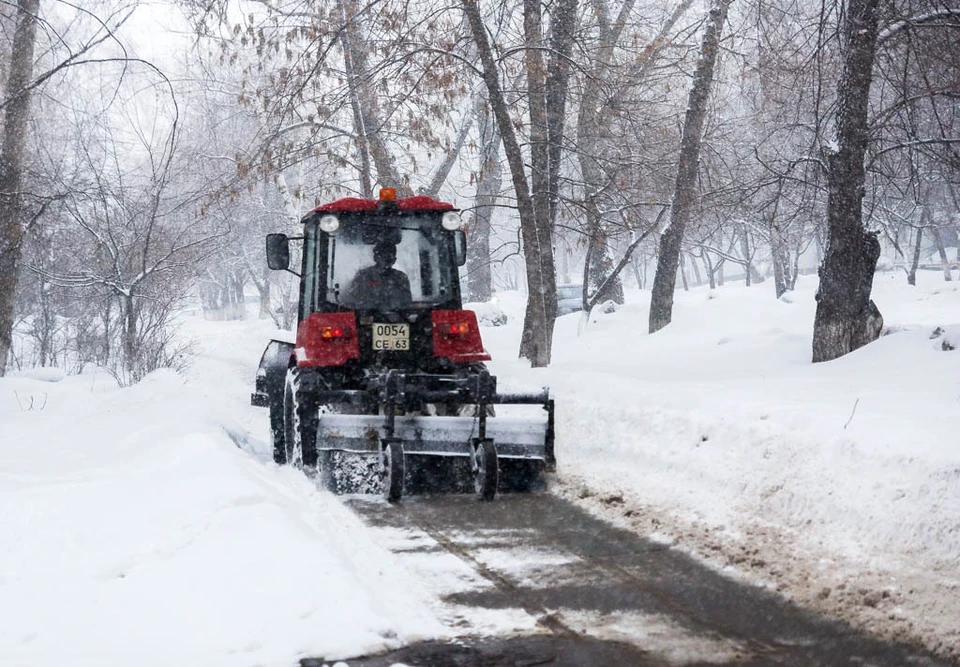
column 373, row 287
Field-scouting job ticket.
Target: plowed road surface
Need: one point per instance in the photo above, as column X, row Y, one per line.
column 582, row 592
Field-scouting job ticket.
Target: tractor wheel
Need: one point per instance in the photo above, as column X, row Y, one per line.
column 300, row 424
column 278, row 430
column 392, row 471
column 486, row 477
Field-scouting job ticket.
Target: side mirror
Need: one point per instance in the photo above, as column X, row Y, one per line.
column 278, row 252
column 460, row 246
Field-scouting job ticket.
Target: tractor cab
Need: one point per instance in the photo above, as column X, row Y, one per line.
column 379, row 286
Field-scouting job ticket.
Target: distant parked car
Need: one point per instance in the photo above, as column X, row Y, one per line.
column 569, row 299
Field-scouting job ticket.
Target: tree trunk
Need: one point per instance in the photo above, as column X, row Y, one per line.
column 598, row 264
column 366, row 104
column 912, row 273
column 542, row 285
column 537, row 337
column 696, row 271
column 563, row 23
column 776, row 256
column 745, row 251
column 684, row 193
column 593, row 142
column 710, row 269
column 846, row 317
column 130, row 351
column 636, row 273
column 944, row 262
column 489, row 181
column 17, row 98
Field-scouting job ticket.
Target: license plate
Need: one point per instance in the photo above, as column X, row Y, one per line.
column 391, row 336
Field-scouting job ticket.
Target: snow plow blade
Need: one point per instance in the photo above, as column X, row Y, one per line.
column 528, row 438
column 515, row 438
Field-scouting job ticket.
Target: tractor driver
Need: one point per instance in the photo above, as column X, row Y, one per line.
column 380, row 286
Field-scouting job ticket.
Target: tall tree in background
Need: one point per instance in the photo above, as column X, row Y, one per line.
column 533, row 206
column 17, row 105
column 846, row 317
column 489, row 180
column 685, row 189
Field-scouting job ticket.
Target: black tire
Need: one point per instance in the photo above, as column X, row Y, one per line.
column 392, row 465
column 278, row 430
column 486, row 477
column 300, row 424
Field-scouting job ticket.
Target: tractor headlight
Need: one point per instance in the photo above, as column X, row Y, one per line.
column 451, row 221
column 329, row 224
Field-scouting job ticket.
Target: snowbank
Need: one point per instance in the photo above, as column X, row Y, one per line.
column 721, row 415
column 135, row 531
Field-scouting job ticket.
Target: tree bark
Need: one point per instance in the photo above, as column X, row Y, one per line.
column 912, row 273
column 563, row 23
column 684, row 193
column 710, row 270
column 131, row 360
column 696, row 270
column 537, row 337
column 778, row 258
column 591, row 124
column 944, row 262
column 745, row 251
column 541, row 297
column 593, row 139
column 846, row 317
column 366, row 107
column 489, row 181
column 17, row 98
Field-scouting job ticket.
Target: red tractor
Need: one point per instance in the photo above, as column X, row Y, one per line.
column 387, row 373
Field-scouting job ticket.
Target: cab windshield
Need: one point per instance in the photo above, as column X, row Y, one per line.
column 372, row 263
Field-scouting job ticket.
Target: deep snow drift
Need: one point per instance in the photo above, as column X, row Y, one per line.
column 150, row 525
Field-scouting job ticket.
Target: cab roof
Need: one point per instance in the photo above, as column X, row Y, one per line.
column 418, row 203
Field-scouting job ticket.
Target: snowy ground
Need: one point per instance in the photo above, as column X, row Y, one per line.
column 837, row 483
column 149, row 524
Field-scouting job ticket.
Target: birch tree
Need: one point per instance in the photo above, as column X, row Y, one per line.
column 16, row 104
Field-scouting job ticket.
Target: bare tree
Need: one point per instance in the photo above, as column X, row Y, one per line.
column 684, row 195
column 489, row 181
column 846, row 317
column 540, row 315
column 17, row 108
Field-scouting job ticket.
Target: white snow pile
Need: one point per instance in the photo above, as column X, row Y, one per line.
column 721, row 418
column 136, row 531
column 150, row 526
column 489, row 313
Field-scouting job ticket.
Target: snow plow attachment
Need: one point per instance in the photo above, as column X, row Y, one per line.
column 384, row 427
column 445, row 436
